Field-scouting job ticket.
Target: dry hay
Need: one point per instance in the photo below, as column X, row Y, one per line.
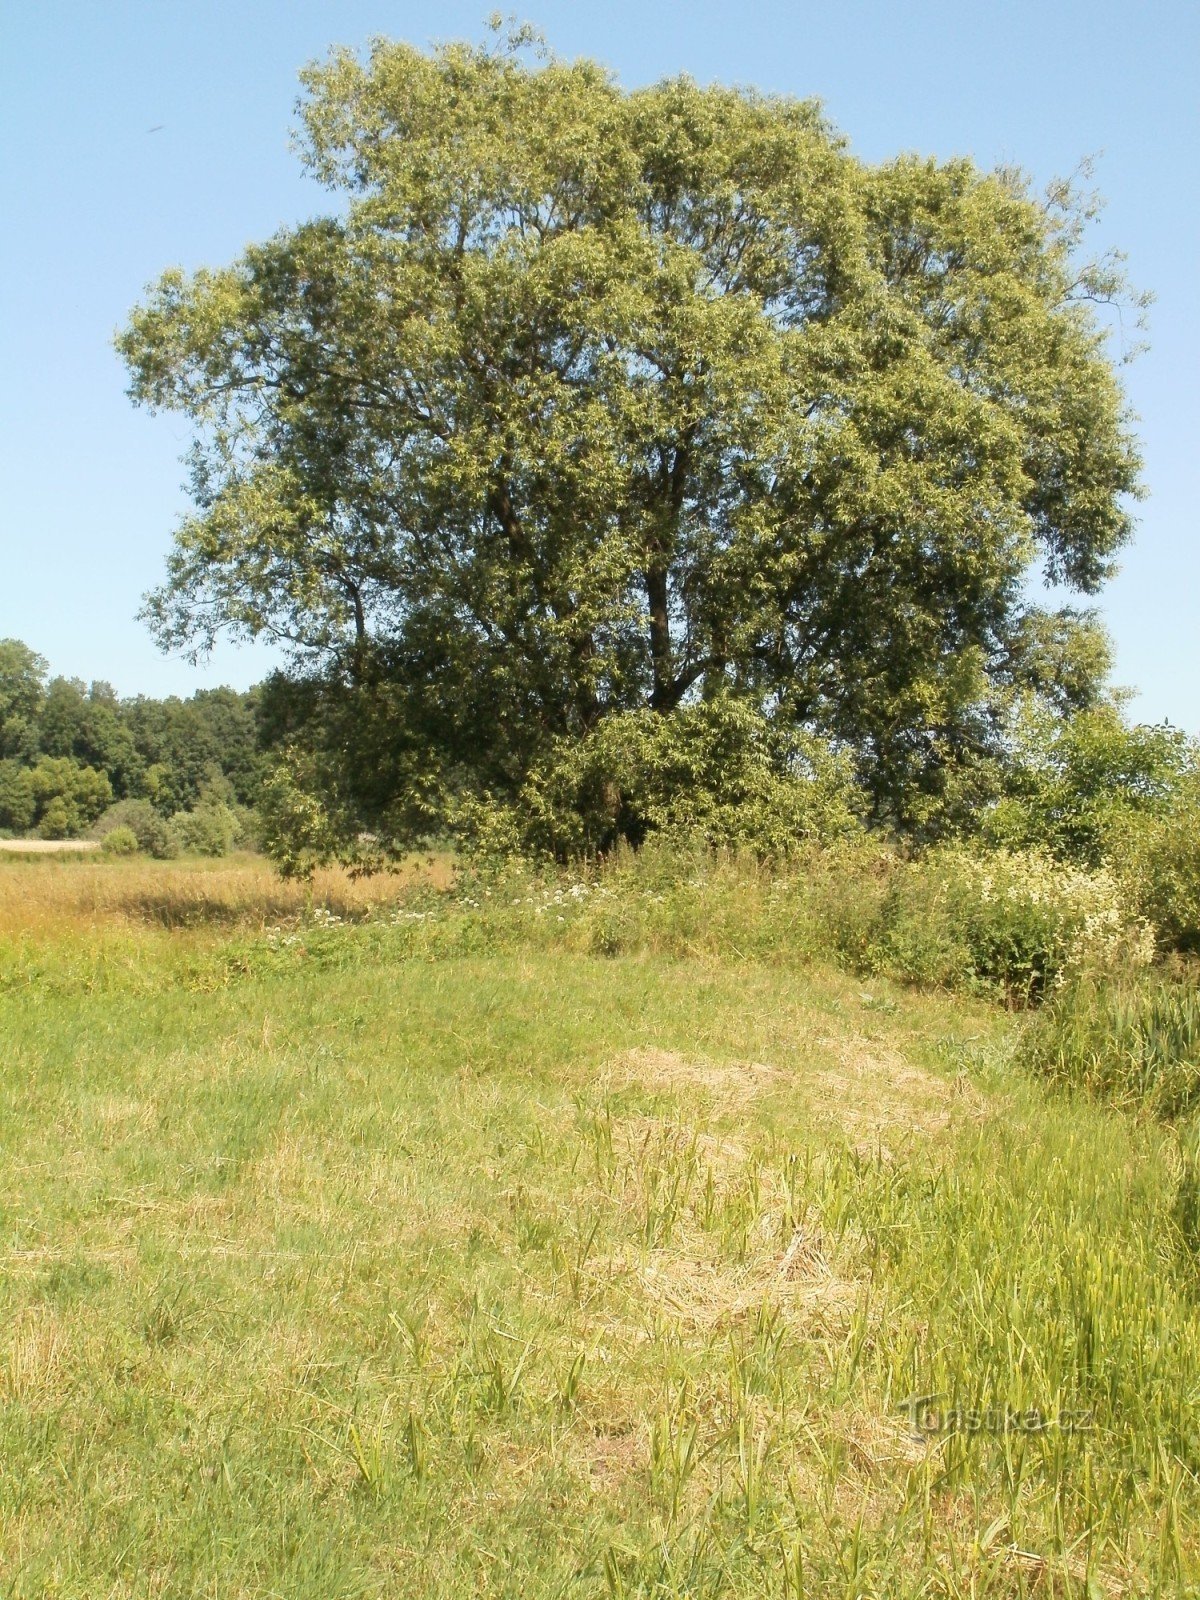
column 30, row 1366
column 881, row 1099
column 729, row 1083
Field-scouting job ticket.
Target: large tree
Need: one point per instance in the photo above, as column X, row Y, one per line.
column 585, row 403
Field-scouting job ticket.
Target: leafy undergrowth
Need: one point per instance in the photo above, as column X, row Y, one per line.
column 1009, row 926
column 460, row 1250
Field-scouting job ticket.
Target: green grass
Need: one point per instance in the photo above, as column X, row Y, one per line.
column 1135, row 1044
column 447, row 1257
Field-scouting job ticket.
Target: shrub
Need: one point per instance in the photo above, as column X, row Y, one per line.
column 120, row 841
column 209, row 830
column 57, row 821
column 1076, row 783
column 1011, row 924
column 716, row 773
column 249, row 828
column 67, row 796
column 1158, row 860
column 838, row 897
column 1094, row 790
column 1016, row 921
column 152, row 832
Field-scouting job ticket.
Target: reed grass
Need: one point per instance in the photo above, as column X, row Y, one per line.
column 1135, row 1044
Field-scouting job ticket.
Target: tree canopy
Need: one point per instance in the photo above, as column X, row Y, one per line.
column 69, row 749
column 584, row 404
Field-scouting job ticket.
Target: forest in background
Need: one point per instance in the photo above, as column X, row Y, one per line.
column 80, row 760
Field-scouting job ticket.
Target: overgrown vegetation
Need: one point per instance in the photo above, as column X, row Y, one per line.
column 539, row 1233
column 1136, row 1045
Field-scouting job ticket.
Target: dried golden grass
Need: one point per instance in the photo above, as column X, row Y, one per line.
column 692, row 1276
column 46, row 894
column 728, row 1083
column 884, row 1100
column 29, row 1366
column 48, row 847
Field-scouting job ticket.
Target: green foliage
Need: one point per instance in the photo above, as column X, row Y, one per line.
column 152, row 832
column 1137, row 1045
column 716, row 773
column 22, row 692
column 57, row 820
column 1158, row 858
column 1083, row 786
column 18, row 805
column 85, row 725
column 184, row 742
column 211, row 829
column 296, row 828
column 1095, row 790
column 121, row 841
column 66, row 797
column 1008, row 925
column 582, row 405
column 1018, row 921
column 61, row 738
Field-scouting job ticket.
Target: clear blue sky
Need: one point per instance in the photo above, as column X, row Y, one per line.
column 95, row 206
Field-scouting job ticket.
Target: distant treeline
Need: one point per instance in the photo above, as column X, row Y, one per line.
column 75, row 756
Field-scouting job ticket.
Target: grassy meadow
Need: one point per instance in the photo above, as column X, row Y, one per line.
column 414, row 1237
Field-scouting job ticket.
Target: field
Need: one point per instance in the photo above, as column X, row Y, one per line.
column 403, row 1239
column 48, row 847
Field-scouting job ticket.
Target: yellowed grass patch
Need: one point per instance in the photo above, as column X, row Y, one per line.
column 32, row 1358
column 728, row 1082
column 48, row 847
column 882, row 1099
column 68, row 895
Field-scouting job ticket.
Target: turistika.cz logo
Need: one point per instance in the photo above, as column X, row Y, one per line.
column 929, row 1419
